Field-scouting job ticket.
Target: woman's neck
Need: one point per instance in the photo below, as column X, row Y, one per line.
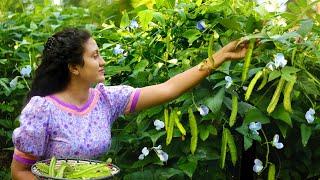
column 75, row 93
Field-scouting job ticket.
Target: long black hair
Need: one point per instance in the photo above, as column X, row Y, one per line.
column 63, row 48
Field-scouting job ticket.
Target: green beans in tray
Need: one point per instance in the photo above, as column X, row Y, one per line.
column 73, row 169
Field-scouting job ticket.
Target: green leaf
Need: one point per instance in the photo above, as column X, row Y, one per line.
column 168, row 172
column 305, row 134
column 214, row 103
column 113, row 70
column 247, row 143
column 289, row 70
column 140, row 66
column 273, row 75
column 206, row 153
column 191, row 35
column 189, row 167
column 281, row 114
column 124, row 20
column 283, row 128
column 212, row 130
column 154, row 135
column 145, row 18
column 255, row 115
column 203, row 132
column 141, row 175
column 305, row 27
column 159, row 17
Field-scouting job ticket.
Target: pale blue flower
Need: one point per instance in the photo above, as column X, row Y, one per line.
column 244, row 88
column 204, row 110
column 271, row 66
column 25, row 71
column 145, row 151
column 13, row 82
column 162, row 155
column 310, row 115
column 118, row 50
column 279, row 60
column 158, row 124
column 255, row 127
column 276, row 142
column 258, row 166
column 229, row 81
column 141, row 157
column 201, row 25
column 133, row 24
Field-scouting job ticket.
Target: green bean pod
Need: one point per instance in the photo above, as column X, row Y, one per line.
column 232, row 147
column 252, row 84
column 275, row 98
column 287, row 95
column 234, row 110
column 272, row 172
column 52, row 166
column 223, row 148
column 264, row 80
column 194, row 131
column 247, row 60
column 170, row 127
column 179, row 125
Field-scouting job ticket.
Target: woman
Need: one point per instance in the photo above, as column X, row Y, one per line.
column 65, row 117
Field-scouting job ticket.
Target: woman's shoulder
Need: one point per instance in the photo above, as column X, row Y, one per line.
column 37, row 104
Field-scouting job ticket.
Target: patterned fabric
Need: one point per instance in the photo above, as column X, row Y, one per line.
column 50, row 127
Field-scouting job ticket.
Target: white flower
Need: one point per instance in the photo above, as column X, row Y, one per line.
column 276, row 142
column 162, row 155
column 145, row 151
column 254, row 127
column 273, row 5
column 204, row 110
column 271, row 66
column 279, row 60
column 244, row 88
column 158, row 124
column 133, row 24
column 141, row 157
column 158, row 147
column 201, row 25
column 278, row 21
column 118, row 50
column 229, row 81
column 257, row 167
column 173, row 61
column 25, row 71
column 13, row 82
column 310, row 115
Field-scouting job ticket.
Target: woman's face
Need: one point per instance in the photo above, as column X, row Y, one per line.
column 93, row 69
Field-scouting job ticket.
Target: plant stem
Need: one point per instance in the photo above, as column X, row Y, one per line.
column 268, row 150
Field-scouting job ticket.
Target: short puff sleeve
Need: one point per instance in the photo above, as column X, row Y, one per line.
column 117, row 97
column 32, row 135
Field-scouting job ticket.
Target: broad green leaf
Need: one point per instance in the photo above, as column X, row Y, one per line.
column 113, row 70
column 289, row 70
column 154, row 135
column 141, row 175
column 273, row 75
column 305, row 134
column 281, row 114
column 168, row 172
column 247, row 143
column 159, row 17
column 305, row 27
column 283, row 128
column 255, row 115
column 203, row 132
column 191, row 35
column 124, row 20
column 189, row 167
column 145, row 18
column 140, row 66
column 214, row 103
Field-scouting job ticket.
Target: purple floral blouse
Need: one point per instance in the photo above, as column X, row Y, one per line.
column 50, row 127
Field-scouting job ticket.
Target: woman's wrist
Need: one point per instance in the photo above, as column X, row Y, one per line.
column 217, row 59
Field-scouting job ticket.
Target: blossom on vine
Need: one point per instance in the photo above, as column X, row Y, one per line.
column 145, row 152
column 158, row 124
column 133, row 24
column 276, row 143
column 273, row 5
column 163, row 156
column 25, row 71
column 244, row 88
column 271, row 66
column 310, row 115
column 229, row 81
column 279, row 60
column 201, row 25
column 255, row 127
column 278, row 21
column 118, row 50
column 204, row 110
column 258, row 166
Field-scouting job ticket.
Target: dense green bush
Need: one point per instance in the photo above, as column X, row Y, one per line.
column 171, row 38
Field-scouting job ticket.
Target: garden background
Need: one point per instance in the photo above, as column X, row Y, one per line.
column 214, row 131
